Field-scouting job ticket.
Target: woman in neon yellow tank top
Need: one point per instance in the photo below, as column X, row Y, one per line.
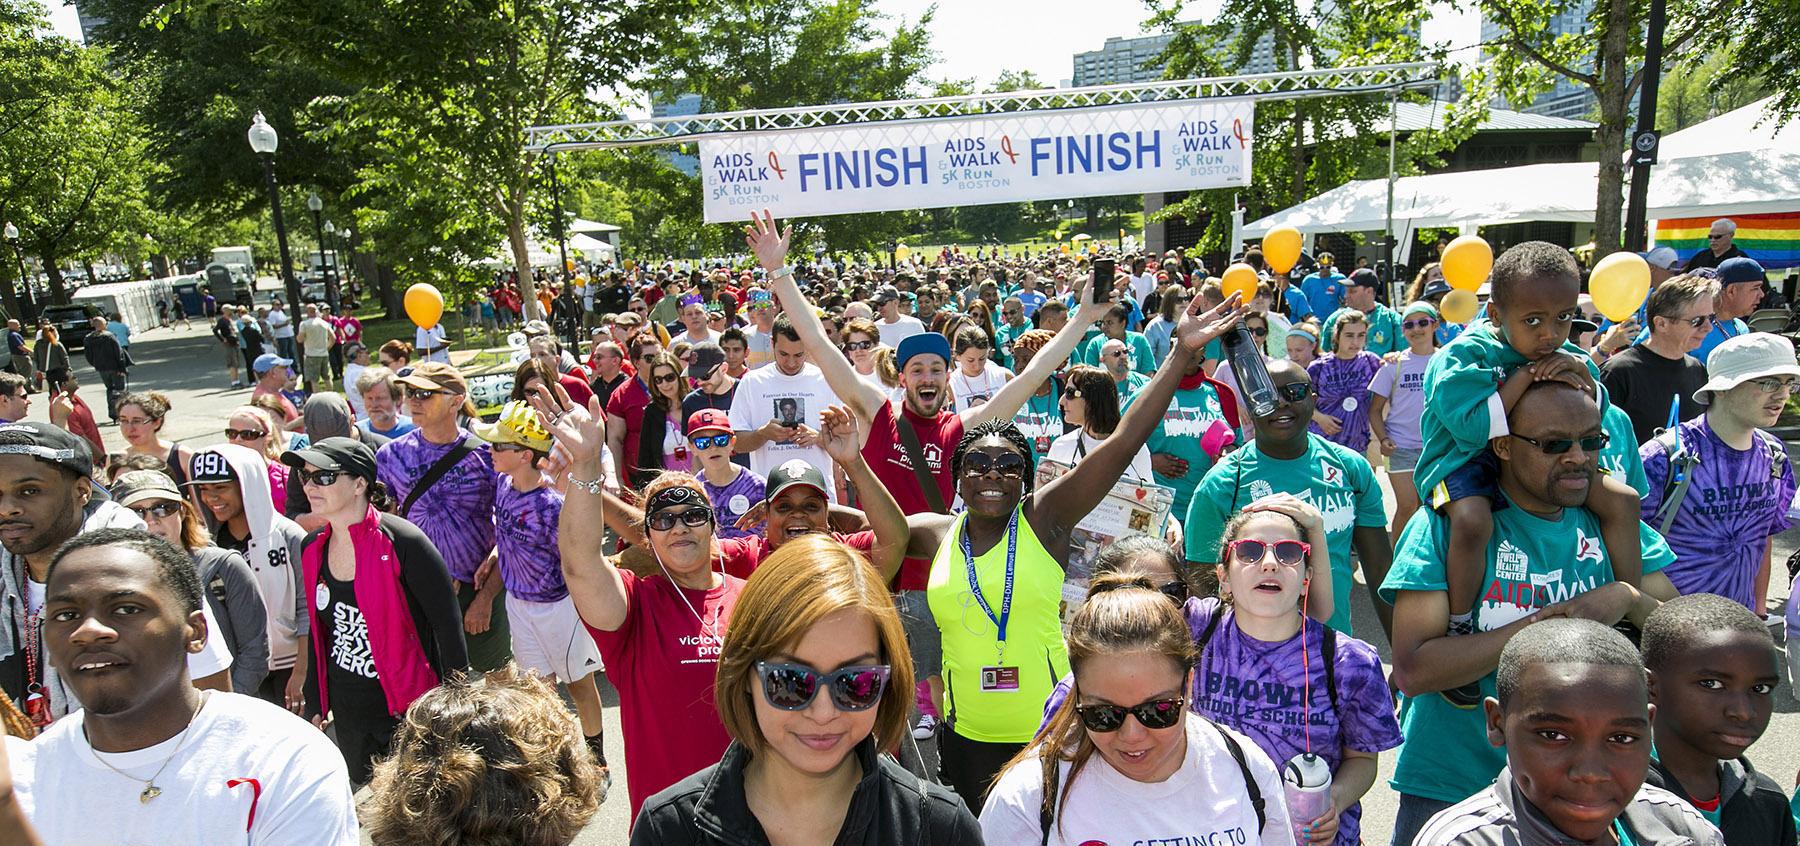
column 996, row 684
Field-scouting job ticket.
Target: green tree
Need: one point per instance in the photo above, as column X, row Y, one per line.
column 1696, row 88
column 1757, row 38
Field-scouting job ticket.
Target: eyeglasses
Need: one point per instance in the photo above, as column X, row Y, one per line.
column 421, row 393
column 1418, row 324
column 1155, row 714
column 133, row 421
column 792, row 687
column 166, row 509
column 710, row 441
column 1771, row 384
column 692, row 518
column 1010, row 465
column 318, row 478
column 666, row 377
column 1558, row 446
column 1288, row 553
column 244, row 434
column 649, row 356
column 1294, row 391
column 1714, row 236
column 1696, row 321
column 859, row 346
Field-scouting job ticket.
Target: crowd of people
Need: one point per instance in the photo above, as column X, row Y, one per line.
column 795, row 517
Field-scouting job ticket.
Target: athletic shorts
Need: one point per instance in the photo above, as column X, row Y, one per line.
column 549, row 639
column 318, row 368
column 1480, row 477
column 1403, row 460
column 922, row 636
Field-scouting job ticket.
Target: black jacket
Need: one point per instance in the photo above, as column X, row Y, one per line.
column 890, row 807
column 1755, row 811
column 103, row 352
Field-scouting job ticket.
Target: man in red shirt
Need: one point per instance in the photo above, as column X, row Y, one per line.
column 924, row 364
column 625, row 412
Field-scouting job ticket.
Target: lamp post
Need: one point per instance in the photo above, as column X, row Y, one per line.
column 12, row 238
column 264, row 140
column 316, row 206
column 331, row 270
column 350, row 246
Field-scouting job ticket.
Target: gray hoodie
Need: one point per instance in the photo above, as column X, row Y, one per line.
column 273, row 553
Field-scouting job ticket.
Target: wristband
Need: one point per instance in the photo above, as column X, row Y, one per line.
column 784, row 270
column 593, row 487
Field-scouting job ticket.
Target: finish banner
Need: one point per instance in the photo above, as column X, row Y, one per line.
column 968, row 161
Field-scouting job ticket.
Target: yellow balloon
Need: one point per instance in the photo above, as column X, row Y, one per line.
column 1619, row 284
column 902, row 252
column 1239, row 278
column 1467, row 261
column 1281, row 248
column 1458, row 306
column 424, row 305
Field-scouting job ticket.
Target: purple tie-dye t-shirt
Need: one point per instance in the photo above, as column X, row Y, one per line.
column 457, row 512
column 525, row 531
column 1342, row 387
column 1735, row 501
column 731, row 500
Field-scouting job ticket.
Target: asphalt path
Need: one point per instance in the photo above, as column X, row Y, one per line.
column 186, row 365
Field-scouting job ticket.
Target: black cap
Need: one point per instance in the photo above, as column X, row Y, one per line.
column 209, row 466
column 707, row 356
column 49, row 444
column 347, row 455
column 1365, row 278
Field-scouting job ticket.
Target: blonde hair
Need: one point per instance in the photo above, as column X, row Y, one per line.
column 1123, row 614
column 271, row 449
column 485, row 760
column 808, row 579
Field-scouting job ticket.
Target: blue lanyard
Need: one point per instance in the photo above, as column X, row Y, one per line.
column 1012, row 550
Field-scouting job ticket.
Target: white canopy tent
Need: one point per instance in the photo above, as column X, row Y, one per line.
column 1749, row 128
column 590, row 247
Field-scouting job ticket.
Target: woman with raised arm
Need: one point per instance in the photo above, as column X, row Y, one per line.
column 995, row 583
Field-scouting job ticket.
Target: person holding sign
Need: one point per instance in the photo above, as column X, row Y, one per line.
column 996, row 577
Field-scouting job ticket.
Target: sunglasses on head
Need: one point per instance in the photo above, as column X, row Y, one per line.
column 244, row 434
column 318, row 478
column 421, row 393
column 1425, row 323
column 1288, row 553
column 710, row 441
column 1008, row 464
column 1558, row 446
column 1294, row 391
column 693, row 518
column 1155, row 714
column 792, row 687
column 157, row 511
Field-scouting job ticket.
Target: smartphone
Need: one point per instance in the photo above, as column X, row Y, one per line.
column 1100, row 290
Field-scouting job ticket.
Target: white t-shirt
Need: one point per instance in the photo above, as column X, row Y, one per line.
column 1141, row 286
column 761, row 347
column 766, row 394
column 300, row 793
column 424, row 339
column 893, row 333
column 1203, row 802
column 279, row 324
column 707, row 335
column 1069, row 447
column 971, row 391
column 352, row 372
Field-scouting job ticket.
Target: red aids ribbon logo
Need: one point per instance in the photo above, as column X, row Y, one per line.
column 775, row 165
column 1006, row 147
column 255, row 797
column 1237, row 128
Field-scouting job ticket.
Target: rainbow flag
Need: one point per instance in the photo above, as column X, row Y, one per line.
column 1771, row 239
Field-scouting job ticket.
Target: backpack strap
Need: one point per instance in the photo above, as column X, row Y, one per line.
column 1328, row 652
column 915, row 455
column 1682, row 462
column 436, row 471
column 1250, row 785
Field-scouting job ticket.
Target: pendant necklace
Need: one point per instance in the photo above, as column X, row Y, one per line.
column 151, row 791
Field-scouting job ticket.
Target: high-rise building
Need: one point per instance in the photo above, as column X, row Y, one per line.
column 1137, row 59
column 1567, row 98
column 89, row 23
column 686, row 104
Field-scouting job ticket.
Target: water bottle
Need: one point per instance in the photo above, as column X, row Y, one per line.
column 1251, row 371
column 1306, row 779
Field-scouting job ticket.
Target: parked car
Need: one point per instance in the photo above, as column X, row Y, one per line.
column 71, row 321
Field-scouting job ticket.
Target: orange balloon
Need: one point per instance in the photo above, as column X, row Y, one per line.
column 424, row 305
column 1239, row 278
column 1466, row 262
column 1281, row 248
column 1458, row 306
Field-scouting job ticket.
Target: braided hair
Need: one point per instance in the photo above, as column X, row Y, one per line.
column 1003, row 428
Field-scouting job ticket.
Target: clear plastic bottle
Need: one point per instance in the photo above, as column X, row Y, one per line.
column 1251, row 372
column 1306, row 779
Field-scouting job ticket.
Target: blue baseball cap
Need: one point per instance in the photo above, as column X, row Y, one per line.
column 925, row 343
column 1740, row 269
column 269, row 361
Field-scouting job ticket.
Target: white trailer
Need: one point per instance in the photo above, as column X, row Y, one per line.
column 134, row 302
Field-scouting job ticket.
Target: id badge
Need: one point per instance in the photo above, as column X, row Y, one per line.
column 999, row 679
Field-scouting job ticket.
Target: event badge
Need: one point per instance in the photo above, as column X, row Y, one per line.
column 739, row 503
column 1350, row 403
column 321, row 596
column 999, row 679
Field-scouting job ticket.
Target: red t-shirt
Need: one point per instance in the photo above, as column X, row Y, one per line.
column 664, row 667
column 579, row 392
column 628, row 401
column 887, row 457
column 741, row 556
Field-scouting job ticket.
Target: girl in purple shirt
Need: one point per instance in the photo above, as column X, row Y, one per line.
column 1341, row 382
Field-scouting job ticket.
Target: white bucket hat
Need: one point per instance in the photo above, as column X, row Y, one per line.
column 1750, row 356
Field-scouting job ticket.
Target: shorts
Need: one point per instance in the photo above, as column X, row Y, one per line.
column 1479, row 477
column 318, row 368
column 549, row 639
column 922, row 636
column 1403, row 460
column 232, row 354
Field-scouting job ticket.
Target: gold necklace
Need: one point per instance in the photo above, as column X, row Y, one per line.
column 151, row 791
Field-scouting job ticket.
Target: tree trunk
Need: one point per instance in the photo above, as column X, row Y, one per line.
column 58, row 295
column 515, row 237
column 384, row 288
column 1609, row 198
column 9, row 270
column 88, row 265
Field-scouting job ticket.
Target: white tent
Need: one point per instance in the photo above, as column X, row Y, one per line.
column 591, row 227
column 1749, row 128
column 591, row 247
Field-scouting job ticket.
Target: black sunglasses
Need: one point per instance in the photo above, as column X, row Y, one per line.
column 244, row 434
column 1294, row 391
column 421, row 393
column 858, row 346
column 1258, row 331
column 666, row 377
column 693, row 518
column 1558, row 446
column 157, row 511
column 1155, row 714
column 1176, row 590
column 318, row 478
column 1010, row 464
column 792, row 687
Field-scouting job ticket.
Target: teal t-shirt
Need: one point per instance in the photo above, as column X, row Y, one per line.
column 1335, row 479
column 1134, row 382
column 1384, row 330
column 1531, row 563
column 1620, row 458
column 1080, row 356
column 1188, row 416
column 1040, row 419
column 1458, row 420
column 1143, row 358
column 1004, row 338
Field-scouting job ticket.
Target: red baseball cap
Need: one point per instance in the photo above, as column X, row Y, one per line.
column 708, row 420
